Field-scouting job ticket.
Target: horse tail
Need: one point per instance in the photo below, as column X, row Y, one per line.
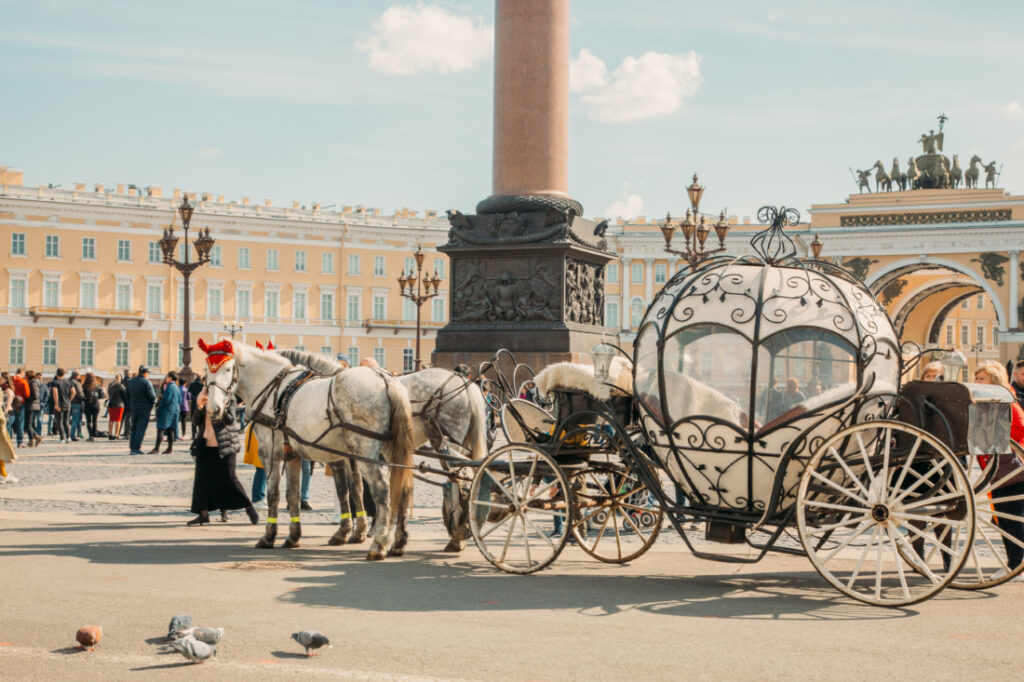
column 476, row 438
column 399, row 447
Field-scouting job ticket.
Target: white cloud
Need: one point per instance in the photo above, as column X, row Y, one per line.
column 410, row 40
column 1014, row 108
column 209, row 151
column 649, row 86
column 630, row 207
column 587, row 72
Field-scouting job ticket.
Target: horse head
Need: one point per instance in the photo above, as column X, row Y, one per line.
column 220, row 376
column 975, row 159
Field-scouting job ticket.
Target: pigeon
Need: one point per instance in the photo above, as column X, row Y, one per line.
column 192, row 649
column 179, row 626
column 311, row 639
column 207, row 635
column 88, row 637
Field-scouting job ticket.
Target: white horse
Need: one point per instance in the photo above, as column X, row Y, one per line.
column 359, row 412
column 971, row 174
column 444, row 404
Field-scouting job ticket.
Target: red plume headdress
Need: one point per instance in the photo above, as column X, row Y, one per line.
column 218, row 353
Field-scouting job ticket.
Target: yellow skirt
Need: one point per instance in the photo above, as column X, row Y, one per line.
column 252, row 448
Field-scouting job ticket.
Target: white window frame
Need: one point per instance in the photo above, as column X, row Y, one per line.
column 216, row 256
column 154, row 255
column 123, row 281
column 154, row 284
column 52, row 240
column 327, row 263
column 328, row 294
column 660, row 273
column 437, row 309
column 122, row 354
column 87, row 280
column 21, row 277
column 244, row 258
column 300, row 261
column 243, row 291
column 17, row 352
column 215, row 287
column 353, row 264
column 87, row 353
column 408, row 359
column 439, row 267
column 124, row 251
column 353, row 356
column 611, row 314
column 273, row 260
column 153, row 353
column 271, row 302
column 300, row 310
column 19, row 245
column 89, row 248
column 379, row 356
column 636, row 304
column 51, row 353
column 52, row 281
column 612, row 273
column 379, row 306
column 379, row 269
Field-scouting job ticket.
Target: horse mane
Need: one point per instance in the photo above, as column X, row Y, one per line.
column 314, row 361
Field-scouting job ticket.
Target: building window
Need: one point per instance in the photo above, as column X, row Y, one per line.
column 327, row 263
column 87, row 353
column 408, row 360
column 53, row 246
column 352, row 308
column 121, row 353
column 378, row 306
column 154, row 302
column 659, row 273
column 409, row 266
column 612, row 273
column 243, row 303
column 949, row 335
column 437, row 310
column 378, row 266
column 353, row 356
column 300, row 261
column 439, row 267
column 353, row 264
column 243, row 257
column 51, row 293
column 270, row 300
column 611, row 314
column 326, row 350
column 89, row 248
column 124, row 296
column 18, row 244
column 326, row 305
column 155, row 254
column 300, row 348
column 214, row 299
column 124, row 251
column 49, row 352
column 17, row 352
column 981, row 301
column 408, row 310
column 18, row 291
column 963, row 304
column 153, row 353
column 87, row 295
column 637, row 276
column 299, row 305
column 215, row 256
column 272, row 259
column 964, row 335
column 636, row 312
column 182, row 251
column 981, row 335
column 378, row 356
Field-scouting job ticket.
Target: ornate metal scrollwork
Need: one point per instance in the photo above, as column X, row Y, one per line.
column 774, row 245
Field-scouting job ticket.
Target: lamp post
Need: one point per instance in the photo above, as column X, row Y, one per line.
column 418, row 287
column 695, row 229
column 976, row 348
column 203, row 243
column 233, row 327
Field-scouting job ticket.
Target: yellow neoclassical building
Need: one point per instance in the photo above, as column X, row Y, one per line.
column 86, row 287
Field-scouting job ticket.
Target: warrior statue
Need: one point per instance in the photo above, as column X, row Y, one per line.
column 862, row 181
column 990, row 174
column 932, row 142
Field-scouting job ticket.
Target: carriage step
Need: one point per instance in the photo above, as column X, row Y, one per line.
column 725, row 533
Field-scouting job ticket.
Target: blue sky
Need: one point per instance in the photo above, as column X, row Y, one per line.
column 388, row 104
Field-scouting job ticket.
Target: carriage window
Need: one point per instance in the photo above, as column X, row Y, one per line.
column 706, row 369
column 801, row 369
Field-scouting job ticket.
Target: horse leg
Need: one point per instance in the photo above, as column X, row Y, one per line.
column 355, row 493
column 373, row 477
column 402, row 523
column 273, row 493
column 294, row 471
column 340, row 471
column 458, row 535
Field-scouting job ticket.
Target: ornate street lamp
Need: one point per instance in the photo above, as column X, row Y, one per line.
column 233, row 327
column 816, row 246
column 419, row 287
column 203, row 244
column 695, row 229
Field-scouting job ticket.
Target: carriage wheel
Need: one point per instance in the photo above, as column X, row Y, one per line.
column 517, row 499
column 878, row 494
column 987, row 564
column 610, row 506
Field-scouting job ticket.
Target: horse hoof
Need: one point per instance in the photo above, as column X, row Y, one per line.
column 399, row 551
column 291, row 544
column 356, row 539
column 263, row 543
column 454, row 546
column 375, row 556
column 335, row 541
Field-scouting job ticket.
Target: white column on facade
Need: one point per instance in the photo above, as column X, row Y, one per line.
column 673, row 265
column 1014, row 322
column 649, row 280
column 625, row 277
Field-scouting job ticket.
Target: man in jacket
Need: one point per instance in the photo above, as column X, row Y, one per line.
column 194, row 389
column 21, row 391
column 141, row 397
column 167, row 413
column 60, row 400
column 77, row 402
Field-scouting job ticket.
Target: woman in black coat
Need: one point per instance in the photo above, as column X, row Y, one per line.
column 216, row 486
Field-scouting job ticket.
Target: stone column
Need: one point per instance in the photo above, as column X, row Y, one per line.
column 1011, row 315
column 649, row 281
column 531, row 98
column 627, row 319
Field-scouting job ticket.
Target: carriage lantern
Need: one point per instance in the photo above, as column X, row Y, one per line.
column 602, row 355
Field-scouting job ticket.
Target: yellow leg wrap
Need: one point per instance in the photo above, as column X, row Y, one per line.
column 346, row 515
column 360, row 513
column 295, row 519
column 272, row 519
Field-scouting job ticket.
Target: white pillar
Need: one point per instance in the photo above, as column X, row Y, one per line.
column 1014, row 322
column 649, row 281
column 624, row 278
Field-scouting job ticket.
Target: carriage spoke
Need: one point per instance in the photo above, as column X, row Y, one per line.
column 878, row 566
column 835, row 526
column 508, row 539
column 867, row 458
column 936, row 544
column 837, row 507
column 845, row 543
column 906, row 465
column 860, row 561
column 540, row 491
column 886, row 447
column 618, row 538
column 632, row 524
column 1002, row 532
column 539, row 532
column 835, row 486
column 995, row 553
column 491, row 505
column 933, row 519
column 899, row 561
column 1001, row 515
column 600, row 533
column 526, row 540
column 849, row 471
column 496, row 526
column 934, row 500
column 920, row 480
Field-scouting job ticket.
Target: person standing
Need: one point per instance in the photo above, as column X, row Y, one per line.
column 93, row 389
column 141, row 398
column 167, row 413
column 32, row 407
column 1017, row 384
column 216, row 486
column 77, row 405
column 20, row 386
column 194, row 389
column 126, row 417
column 60, row 399
column 115, row 407
column 7, row 453
column 186, row 407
